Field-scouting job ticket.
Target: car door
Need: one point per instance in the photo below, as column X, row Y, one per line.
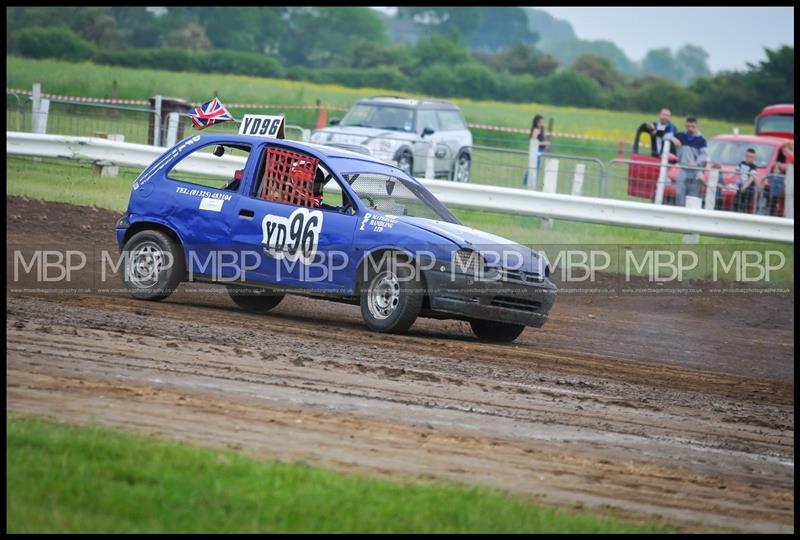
column 452, row 136
column 426, row 118
column 198, row 196
column 300, row 245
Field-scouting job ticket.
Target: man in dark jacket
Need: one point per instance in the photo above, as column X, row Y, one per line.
column 659, row 129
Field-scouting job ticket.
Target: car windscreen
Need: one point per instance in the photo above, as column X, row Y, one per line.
column 783, row 123
column 731, row 152
column 380, row 117
column 398, row 196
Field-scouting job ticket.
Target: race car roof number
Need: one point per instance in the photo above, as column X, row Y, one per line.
column 262, row 126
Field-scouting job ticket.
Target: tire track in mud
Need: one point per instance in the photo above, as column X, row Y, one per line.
column 591, row 420
column 584, row 413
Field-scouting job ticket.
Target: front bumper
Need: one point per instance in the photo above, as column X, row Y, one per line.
column 515, row 299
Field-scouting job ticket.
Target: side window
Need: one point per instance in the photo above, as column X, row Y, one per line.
column 450, row 120
column 427, row 118
column 218, row 166
column 296, row 178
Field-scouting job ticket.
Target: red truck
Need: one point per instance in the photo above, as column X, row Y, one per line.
column 774, row 128
column 776, row 121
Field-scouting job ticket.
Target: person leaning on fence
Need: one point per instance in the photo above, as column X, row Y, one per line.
column 537, row 132
column 775, row 189
column 692, row 150
column 746, row 181
column 659, row 129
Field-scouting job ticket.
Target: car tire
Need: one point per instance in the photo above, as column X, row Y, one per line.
column 144, row 273
column 405, row 162
column 390, row 301
column 461, row 168
column 255, row 300
column 498, row 332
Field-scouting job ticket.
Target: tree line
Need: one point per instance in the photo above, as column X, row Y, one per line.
column 497, row 60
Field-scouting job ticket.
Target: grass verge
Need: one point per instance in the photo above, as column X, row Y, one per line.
column 88, row 479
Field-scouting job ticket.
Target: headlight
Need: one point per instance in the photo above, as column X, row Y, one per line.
column 467, row 261
column 381, row 148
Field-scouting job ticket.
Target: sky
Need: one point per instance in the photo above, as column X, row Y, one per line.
column 732, row 36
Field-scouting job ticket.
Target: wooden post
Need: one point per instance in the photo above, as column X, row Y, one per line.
column 550, row 176
column 577, row 180
column 692, row 202
column 173, row 119
column 662, row 173
column 430, row 162
column 533, row 162
column 711, row 189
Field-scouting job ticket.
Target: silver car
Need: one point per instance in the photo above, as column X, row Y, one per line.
column 401, row 131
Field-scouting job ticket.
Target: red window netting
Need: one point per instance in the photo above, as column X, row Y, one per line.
column 289, row 177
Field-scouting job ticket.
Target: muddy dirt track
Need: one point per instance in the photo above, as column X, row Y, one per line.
column 679, row 407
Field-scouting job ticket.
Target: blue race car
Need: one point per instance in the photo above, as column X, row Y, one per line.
column 267, row 217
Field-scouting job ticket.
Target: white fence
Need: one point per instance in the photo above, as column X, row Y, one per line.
column 479, row 197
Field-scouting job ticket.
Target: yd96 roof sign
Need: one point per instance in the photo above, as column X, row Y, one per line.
column 262, row 126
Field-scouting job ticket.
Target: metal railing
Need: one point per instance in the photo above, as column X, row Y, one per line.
column 555, row 172
column 478, row 197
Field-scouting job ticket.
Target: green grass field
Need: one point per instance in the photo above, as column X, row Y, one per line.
column 73, row 183
column 88, row 480
column 85, row 79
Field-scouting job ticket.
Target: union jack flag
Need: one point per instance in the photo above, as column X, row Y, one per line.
column 209, row 113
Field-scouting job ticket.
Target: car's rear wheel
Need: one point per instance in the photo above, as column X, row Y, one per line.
column 461, row 168
column 499, row 332
column 256, row 300
column 405, row 162
column 152, row 265
column 391, row 298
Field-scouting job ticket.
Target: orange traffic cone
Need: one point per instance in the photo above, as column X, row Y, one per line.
column 322, row 120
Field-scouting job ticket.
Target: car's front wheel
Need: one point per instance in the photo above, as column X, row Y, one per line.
column 461, row 168
column 391, row 298
column 152, row 265
column 256, row 300
column 499, row 332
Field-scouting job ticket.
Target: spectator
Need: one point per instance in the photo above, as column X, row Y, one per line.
column 786, row 156
column 537, row 132
column 775, row 188
column 658, row 129
column 692, row 150
column 721, row 186
column 746, row 181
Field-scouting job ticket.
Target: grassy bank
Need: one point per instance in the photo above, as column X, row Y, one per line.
column 86, row 79
column 87, row 479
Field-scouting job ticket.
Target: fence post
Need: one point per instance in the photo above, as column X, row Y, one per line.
column 789, row 197
column 711, row 189
column 577, row 180
column 550, row 176
column 533, row 163
column 173, row 119
column 103, row 167
column 157, row 122
column 36, row 102
column 40, row 120
column 662, row 172
column 692, row 202
column 430, row 161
